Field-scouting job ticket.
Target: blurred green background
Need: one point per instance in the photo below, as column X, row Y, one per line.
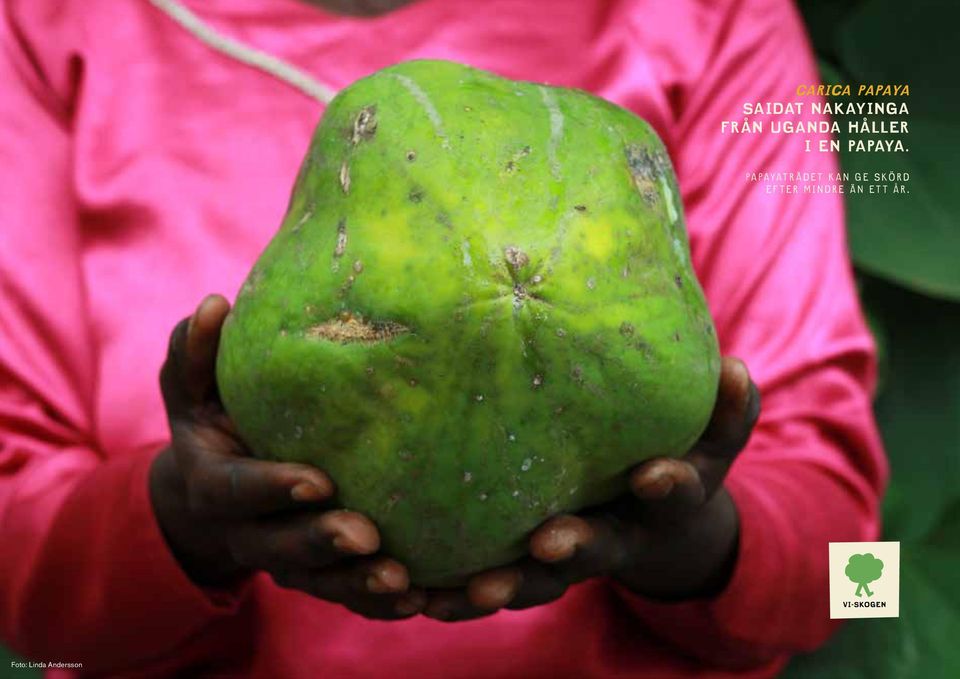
column 906, row 252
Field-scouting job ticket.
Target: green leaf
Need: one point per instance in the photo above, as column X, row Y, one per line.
column 911, row 238
column 877, row 326
column 919, row 415
column 878, row 42
column 822, row 18
column 829, row 73
column 918, row 410
column 922, row 642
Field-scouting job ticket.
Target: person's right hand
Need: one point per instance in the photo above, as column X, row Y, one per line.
column 226, row 514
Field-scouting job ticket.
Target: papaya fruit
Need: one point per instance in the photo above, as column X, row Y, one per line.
column 478, row 311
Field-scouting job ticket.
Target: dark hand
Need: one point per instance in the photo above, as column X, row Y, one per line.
column 672, row 536
column 226, row 514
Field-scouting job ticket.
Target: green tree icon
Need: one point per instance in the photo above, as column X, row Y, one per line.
column 864, row 568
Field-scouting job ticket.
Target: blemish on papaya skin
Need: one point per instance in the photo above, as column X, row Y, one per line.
column 304, row 218
column 577, row 374
column 645, row 164
column 411, row 156
column 516, row 258
column 416, row 194
column 402, row 360
column 519, row 295
column 644, row 348
column 350, row 329
column 345, row 288
column 511, row 165
column 580, row 208
column 345, row 177
column 341, row 238
column 646, row 169
column 364, row 125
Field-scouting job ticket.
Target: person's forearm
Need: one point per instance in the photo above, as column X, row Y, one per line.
column 87, row 575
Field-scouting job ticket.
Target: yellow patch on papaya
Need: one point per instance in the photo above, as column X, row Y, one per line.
column 598, row 240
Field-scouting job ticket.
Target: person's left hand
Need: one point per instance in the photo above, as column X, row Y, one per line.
column 672, row 536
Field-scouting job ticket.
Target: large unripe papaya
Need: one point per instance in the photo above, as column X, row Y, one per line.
column 479, row 311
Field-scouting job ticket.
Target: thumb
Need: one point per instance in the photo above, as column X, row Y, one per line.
column 734, row 417
column 188, row 376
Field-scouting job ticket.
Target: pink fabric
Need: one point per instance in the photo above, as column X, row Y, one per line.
column 139, row 170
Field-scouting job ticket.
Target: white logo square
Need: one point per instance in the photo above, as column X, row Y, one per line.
column 864, row 579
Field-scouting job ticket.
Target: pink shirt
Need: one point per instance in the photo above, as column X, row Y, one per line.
column 140, row 170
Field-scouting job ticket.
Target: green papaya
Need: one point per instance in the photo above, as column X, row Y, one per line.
column 479, row 311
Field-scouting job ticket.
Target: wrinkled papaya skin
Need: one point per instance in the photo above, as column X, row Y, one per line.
column 479, row 311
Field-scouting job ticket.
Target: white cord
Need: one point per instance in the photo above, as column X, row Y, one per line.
column 244, row 53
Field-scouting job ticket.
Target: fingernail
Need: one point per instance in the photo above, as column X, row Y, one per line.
column 376, row 585
column 554, row 545
column 657, row 488
column 343, row 543
column 307, row 492
column 494, row 590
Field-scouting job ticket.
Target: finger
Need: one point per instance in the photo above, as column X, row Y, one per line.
column 564, row 550
column 222, row 485
column 528, row 583
column 173, row 387
column 348, row 581
column 452, row 605
column 583, row 546
column 375, row 587
column 202, row 340
column 666, row 488
column 670, row 489
column 735, row 412
column 494, row 589
column 734, row 416
column 306, row 542
column 187, row 378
